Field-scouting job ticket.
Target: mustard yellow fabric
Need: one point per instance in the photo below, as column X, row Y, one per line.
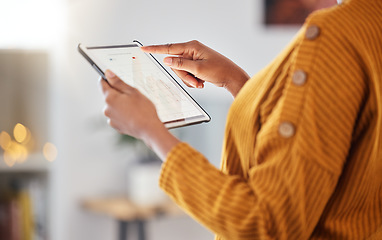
column 321, row 178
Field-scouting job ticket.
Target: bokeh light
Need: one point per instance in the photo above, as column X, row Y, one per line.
column 16, row 153
column 50, row 151
column 17, row 149
column 20, row 133
column 8, row 159
column 5, row 140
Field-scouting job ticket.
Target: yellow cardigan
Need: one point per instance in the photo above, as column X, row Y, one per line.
column 302, row 156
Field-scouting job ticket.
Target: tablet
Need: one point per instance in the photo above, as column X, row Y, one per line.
column 175, row 107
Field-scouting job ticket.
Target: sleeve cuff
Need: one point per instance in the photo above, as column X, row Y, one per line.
column 173, row 159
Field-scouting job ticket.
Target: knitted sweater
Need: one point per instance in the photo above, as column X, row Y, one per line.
column 302, row 155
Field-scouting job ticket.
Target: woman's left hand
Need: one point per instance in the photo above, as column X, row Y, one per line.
column 128, row 110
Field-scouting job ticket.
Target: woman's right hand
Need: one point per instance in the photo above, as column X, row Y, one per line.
column 195, row 63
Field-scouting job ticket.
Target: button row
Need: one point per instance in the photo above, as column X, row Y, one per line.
column 299, row 78
column 287, row 129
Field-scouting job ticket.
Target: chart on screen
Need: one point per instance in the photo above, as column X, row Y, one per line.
column 136, row 69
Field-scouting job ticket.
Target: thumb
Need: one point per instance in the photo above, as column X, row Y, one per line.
column 116, row 83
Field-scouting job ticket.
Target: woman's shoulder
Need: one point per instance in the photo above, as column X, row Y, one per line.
column 351, row 19
column 354, row 25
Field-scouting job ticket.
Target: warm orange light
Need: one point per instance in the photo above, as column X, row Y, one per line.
column 14, row 150
column 22, row 153
column 8, row 159
column 5, row 140
column 28, row 138
column 20, row 132
column 49, row 151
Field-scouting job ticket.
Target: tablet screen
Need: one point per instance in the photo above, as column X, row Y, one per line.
column 174, row 105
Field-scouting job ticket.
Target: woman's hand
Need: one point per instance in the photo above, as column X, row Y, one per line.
column 132, row 113
column 128, row 110
column 195, row 63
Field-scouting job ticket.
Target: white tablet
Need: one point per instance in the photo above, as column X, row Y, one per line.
column 175, row 107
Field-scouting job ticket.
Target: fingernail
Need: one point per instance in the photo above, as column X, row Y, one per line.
column 168, row 61
column 109, row 74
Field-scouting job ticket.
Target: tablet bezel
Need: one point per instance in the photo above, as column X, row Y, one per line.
column 85, row 51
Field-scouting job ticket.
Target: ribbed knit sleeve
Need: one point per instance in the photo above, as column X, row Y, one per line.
column 295, row 136
column 225, row 204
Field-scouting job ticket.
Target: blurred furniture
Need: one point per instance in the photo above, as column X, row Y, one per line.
column 129, row 214
column 24, row 175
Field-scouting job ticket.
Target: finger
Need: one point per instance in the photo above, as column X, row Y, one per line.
column 180, row 63
column 112, row 124
column 171, row 48
column 189, row 79
column 201, row 83
column 105, row 87
column 189, row 69
column 116, row 83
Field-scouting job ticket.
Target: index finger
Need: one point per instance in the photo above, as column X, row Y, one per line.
column 171, row 48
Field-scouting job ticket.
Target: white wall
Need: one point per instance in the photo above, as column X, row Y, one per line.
column 89, row 162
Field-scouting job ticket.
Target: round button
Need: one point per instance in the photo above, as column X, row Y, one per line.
column 299, row 78
column 312, row 32
column 286, row 129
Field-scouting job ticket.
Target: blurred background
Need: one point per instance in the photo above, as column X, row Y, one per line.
column 64, row 173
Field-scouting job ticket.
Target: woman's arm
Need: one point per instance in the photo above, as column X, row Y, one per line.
column 131, row 113
column 195, row 64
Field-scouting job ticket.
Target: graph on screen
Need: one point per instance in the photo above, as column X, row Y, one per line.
column 136, row 68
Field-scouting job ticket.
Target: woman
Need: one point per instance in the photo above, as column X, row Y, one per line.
column 302, row 155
